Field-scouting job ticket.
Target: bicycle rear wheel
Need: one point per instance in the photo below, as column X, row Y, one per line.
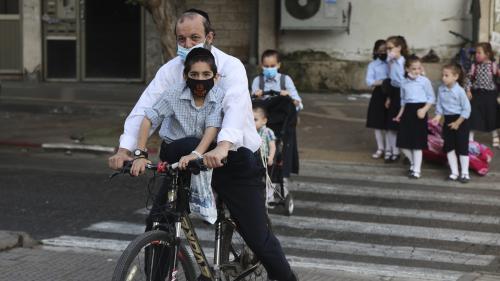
column 149, row 258
column 238, row 262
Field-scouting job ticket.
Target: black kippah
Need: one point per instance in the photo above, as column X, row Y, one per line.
column 199, row 12
column 199, row 52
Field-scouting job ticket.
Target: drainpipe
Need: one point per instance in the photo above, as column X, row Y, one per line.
column 254, row 34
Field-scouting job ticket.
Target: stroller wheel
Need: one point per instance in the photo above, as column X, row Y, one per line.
column 288, row 204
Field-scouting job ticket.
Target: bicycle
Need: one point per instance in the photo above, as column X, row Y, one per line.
column 465, row 56
column 159, row 254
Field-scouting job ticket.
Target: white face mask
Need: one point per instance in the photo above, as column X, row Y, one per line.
column 412, row 76
column 183, row 52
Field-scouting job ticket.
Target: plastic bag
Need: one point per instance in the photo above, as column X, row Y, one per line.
column 202, row 200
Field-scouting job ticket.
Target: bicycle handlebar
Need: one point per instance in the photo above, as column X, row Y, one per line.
column 194, row 166
column 460, row 36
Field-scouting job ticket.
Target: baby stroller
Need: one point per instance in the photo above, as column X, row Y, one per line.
column 282, row 119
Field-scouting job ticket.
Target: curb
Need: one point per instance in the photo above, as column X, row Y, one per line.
column 11, row 239
column 61, row 146
column 90, row 148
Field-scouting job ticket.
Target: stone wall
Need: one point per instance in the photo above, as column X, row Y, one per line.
column 231, row 21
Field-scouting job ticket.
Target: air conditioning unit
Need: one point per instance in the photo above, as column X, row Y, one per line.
column 316, row 14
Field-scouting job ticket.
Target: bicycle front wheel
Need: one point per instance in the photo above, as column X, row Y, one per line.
column 150, row 257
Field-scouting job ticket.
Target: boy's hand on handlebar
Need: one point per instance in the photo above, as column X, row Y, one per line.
column 183, row 163
column 139, row 166
column 115, row 162
column 258, row 93
column 284, row 93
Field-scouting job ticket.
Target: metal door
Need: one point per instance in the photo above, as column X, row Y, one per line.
column 11, row 51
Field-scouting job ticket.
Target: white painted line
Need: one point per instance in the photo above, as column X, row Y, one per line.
column 370, row 269
column 432, row 233
column 117, row 227
column 87, row 243
column 397, row 212
column 397, row 193
column 330, row 246
column 309, row 263
column 72, row 146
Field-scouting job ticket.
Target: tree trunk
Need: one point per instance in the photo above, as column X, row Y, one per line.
column 165, row 14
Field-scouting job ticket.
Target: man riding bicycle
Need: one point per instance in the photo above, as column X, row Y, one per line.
column 239, row 182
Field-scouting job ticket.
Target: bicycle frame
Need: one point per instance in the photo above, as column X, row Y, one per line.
column 183, row 223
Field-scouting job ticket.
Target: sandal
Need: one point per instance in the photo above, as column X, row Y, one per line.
column 496, row 142
column 378, row 154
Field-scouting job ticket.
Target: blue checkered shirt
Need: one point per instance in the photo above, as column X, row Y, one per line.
column 179, row 117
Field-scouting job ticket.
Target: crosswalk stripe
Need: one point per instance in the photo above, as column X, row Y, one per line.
column 87, row 243
column 396, row 212
column 415, row 273
column 396, row 193
column 329, row 246
column 369, row 269
column 431, row 233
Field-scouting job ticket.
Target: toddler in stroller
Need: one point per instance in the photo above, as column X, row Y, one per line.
column 276, row 147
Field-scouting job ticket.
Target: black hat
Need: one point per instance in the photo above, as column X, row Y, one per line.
column 199, row 12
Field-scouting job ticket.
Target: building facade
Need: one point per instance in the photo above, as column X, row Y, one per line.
column 326, row 44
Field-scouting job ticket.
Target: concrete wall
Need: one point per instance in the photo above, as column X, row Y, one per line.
column 336, row 61
column 32, row 38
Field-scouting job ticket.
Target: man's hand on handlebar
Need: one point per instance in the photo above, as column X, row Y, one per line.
column 213, row 159
column 183, row 163
column 115, row 162
column 139, row 166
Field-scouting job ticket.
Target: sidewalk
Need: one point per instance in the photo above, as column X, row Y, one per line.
column 331, row 127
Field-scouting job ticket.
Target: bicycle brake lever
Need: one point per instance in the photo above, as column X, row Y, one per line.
column 113, row 175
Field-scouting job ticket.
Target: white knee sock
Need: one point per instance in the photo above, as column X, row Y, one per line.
column 379, row 137
column 471, row 136
column 393, row 140
column 417, row 160
column 464, row 163
column 388, row 148
column 453, row 161
column 408, row 153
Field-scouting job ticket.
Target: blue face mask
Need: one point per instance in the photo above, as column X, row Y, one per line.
column 270, row 72
column 183, row 52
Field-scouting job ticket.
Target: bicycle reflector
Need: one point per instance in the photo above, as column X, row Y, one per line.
column 161, row 167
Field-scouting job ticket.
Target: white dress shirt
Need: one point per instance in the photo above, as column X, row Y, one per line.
column 238, row 126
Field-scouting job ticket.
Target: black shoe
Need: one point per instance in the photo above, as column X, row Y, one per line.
column 387, row 159
column 395, row 157
column 464, row 179
column 452, row 178
column 410, row 172
column 414, row 176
